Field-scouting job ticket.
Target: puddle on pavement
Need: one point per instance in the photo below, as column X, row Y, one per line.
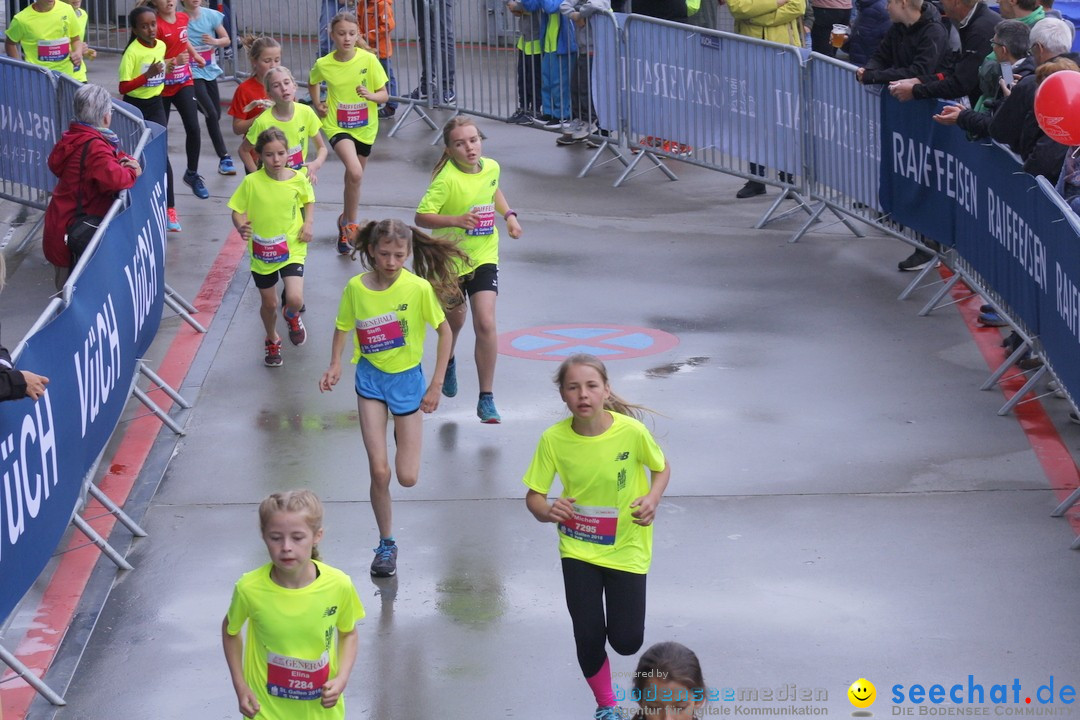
column 682, row 366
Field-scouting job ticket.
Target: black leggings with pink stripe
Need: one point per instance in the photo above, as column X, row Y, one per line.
column 590, row 591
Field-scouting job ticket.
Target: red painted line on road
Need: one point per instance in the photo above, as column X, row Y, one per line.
column 1052, row 453
column 65, row 588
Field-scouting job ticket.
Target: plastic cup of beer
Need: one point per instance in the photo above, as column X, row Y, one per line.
column 839, row 35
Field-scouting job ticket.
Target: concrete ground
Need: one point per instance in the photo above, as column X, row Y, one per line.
column 844, row 502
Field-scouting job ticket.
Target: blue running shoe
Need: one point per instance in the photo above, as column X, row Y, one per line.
column 608, row 713
column 992, row 319
column 485, row 410
column 194, row 181
column 225, row 166
column 385, row 562
column 449, row 385
column 172, row 220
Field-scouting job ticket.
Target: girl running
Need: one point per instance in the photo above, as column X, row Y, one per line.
column 356, row 84
column 668, row 684
column 250, row 99
column 461, row 203
column 273, row 210
column 180, row 86
column 389, row 308
column 142, row 79
column 297, row 121
column 604, row 514
column 301, row 616
column 207, row 33
column 88, row 53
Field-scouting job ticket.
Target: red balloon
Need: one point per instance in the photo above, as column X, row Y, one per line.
column 1057, row 107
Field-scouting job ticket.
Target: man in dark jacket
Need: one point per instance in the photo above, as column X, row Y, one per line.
column 974, row 23
column 915, row 44
column 1015, row 125
column 1011, row 45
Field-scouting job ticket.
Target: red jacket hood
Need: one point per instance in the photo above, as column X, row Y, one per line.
column 71, row 143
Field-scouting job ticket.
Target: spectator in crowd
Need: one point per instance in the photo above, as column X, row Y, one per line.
column 674, row 10
column 1068, row 185
column 1014, row 124
column 556, row 62
column 1029, row 11
column 376, row 23
column 974, row 23
column 826, row 14
column 780, row 21
column 914, row 45
column 583, row 116
column 49, row 33
column 706, row 15
column 867, row 29
column 17, row 384
column 529, row 53
column 1011, row 44
column 435, row 30
column 91, row 169
column 327, row 10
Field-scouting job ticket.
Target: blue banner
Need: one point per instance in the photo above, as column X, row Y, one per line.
column 89, row 354
column 968, row 195
column 709, row 90
column 1059, row 315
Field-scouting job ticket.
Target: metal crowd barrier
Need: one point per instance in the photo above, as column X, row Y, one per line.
column 48, row 476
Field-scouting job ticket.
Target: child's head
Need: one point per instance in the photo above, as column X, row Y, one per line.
column 583, row 385
column 461, row 143
column 143, row 24
column 162, row 7
column 291, row 524
column 436, row 259
column 280, row 84
column 669, row 683
column 345, row 32
column 192, row 6
column 264, row 53
column 273, row 149
column 383, row 246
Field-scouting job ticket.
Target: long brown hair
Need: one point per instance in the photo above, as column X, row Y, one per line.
column 451, row 125
column 433, row 257
column 297, row 501
column 257, row 44
column 613, row 403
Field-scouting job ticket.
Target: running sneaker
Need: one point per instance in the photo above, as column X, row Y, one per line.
column 386, row 112
column 194, row 181
column 347, row 241
column 273, row 353
column 225, row 166
column 385, row 562
column 521, row 117
column 172, row 220
column 485, row 410
column 608, row 713
column 297, row 332
column 449, row 385
column 344, row 247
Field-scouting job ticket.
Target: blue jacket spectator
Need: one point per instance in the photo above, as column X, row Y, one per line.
column 869, row 27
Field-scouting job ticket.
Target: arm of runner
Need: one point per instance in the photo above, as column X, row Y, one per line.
column 333, row 373
column 646, row 504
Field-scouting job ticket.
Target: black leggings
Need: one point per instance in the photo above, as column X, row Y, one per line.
column 588, row 587
column 209, row 100
column 153, row 110
column 184, row 100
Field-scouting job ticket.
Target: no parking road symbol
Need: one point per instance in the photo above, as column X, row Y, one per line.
column 607, row 342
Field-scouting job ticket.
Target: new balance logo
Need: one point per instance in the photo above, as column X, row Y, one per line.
column 622, row 456
column 332, row 610
column 402, row 307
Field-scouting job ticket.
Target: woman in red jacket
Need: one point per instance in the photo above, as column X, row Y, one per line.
column 96, row 180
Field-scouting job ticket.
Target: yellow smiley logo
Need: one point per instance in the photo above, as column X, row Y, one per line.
column 862, row 693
